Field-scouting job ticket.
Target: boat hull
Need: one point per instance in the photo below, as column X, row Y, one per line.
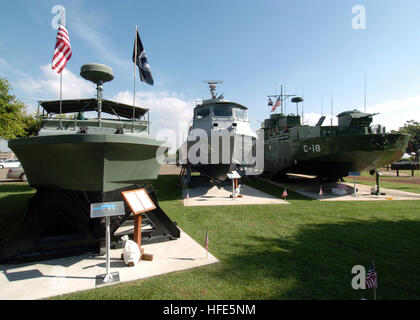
column 88, row 162
column 222, row 153
column 333, row 156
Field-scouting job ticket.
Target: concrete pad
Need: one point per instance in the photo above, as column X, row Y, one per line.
column 311, row 190
column 220, row 196
column 61, row 276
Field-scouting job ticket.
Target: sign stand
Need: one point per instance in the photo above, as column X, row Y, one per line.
column 107, row 209
column 354, row 174
column 234, row 176
column 139, row 202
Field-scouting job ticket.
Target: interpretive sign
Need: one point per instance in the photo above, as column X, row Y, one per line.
column 107, row 209
column 138, row 201
column 234, row 175
column 100, row 210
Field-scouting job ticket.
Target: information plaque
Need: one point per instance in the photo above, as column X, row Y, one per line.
column 138, row 201
column 107, row 209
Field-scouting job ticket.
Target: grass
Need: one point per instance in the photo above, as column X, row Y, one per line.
column 392, row 182
column 304, row 250
column 14, row 202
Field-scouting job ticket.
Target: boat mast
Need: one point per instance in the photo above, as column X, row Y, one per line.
column 365, row 93
column 282, row 97
column 332, row 108
column 212, row 85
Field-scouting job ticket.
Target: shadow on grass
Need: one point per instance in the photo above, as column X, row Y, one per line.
column 13, row 210
column 274, row 190
column 166, row 188
column 14, row 187
column 317, row 263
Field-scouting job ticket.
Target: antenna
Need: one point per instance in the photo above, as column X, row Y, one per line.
column 297, row 100
column 303, row 105
column 282, row 97
column 332, row 108
column 212, row 85
column 365, row 92
column 98, row 74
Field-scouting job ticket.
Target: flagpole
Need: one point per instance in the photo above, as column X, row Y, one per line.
column 134, row 75
column 207, row 248
column 61, row 97
column 376, row 281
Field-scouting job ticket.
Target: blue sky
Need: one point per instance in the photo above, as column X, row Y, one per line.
column 253, row 46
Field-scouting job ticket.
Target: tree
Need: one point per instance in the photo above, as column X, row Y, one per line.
column 14, row 121
column 413, row 128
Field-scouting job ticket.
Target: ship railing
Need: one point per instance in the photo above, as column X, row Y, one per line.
column 75, row 124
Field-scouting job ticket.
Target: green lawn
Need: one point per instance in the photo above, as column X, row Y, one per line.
column 304, row 250
column 392, row 182
column 14, row 201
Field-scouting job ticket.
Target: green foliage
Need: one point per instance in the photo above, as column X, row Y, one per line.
column 413, row 128
column 14, row 121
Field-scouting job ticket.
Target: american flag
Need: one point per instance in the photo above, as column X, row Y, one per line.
column 206, row 241
column 284, row 194
column 371, row 277
column 62, row 52
column 278, row 103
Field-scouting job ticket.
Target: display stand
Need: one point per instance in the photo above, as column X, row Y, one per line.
column 100, row 210
column 234, row 176
column 354, row 174
column 139, row 202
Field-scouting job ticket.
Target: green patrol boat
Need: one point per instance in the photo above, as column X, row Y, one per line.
column 75, row 162
column 99, row 154
column 329, row 152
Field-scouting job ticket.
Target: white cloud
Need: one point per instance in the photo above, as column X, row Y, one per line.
column 48, row 85
column 311, row 119
column 394, row 113
column 169, row 113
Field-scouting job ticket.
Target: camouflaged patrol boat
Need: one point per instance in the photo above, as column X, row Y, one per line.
column 329, row 152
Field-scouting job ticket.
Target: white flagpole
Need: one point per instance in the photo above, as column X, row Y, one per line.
column 134, row 74
column 61, row 97
column 376, row 281
column 207, row 247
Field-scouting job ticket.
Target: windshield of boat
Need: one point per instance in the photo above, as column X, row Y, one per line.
column 203, row 113
column 240, row 114
column 224, row 111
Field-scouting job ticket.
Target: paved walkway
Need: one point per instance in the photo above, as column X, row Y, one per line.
column 61, row 276
column 311, row 189
column 221, row 196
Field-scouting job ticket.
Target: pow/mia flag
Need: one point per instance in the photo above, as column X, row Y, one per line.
column 141, row 61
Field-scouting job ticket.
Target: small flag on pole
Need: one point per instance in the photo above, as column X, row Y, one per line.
column 371, row 277
column 62, row 52
column 141, row 61
column 284, row 194
column 321, row 193
column 206, row 244
column 270, row 102
column 278, row 104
